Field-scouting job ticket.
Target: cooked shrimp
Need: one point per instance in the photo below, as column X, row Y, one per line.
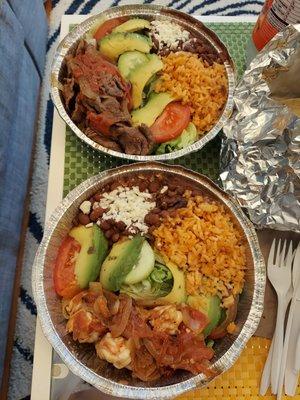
column 166, row 319
column 86, row 328
column 81, row 301
column 114, row 350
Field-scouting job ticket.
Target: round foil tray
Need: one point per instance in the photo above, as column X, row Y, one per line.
column 81, row 359
column 197, row 28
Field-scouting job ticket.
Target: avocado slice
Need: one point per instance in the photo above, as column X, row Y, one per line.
column 114, row 44
column 129, row 60
column 143, row 268
column 178, row 293
column 120, row 261
column 94, row 247
column 133, row 25
column 210, row 306
column 141, row 75
column 151, row 111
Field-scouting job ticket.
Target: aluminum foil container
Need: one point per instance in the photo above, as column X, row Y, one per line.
column 260, row 155
column 81, row 359
column 58, row 70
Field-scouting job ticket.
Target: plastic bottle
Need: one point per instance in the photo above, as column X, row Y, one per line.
column 274, row 17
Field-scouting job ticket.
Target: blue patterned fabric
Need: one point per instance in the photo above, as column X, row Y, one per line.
column 19, row 91
column 21, row 366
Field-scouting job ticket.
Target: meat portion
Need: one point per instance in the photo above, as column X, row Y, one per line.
column 98, row 100
column 69, row 91
column 135, row 140
column 111, row 113
column 103, row 140
column 78, row 113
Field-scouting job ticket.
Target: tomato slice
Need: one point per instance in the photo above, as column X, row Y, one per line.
column 174, row 119
column 108, row 26
column 65, row 282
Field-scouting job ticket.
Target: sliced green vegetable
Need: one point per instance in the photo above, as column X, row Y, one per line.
column 165, row 284
column 158, row 284
column 151, row 111
column 133, row 25
column 94, row 247
column 188, row 137
column 209, row 305
column 150, row 86
column 141, row 75
column 115, row 44
column 129, row 60
column 144, row 266
column 119, row 262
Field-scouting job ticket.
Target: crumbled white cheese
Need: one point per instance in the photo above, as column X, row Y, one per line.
column 128, row 205
column 89, row 225
column 168, row 34
column 164, row 189
column 95, row 205
column 85, row 207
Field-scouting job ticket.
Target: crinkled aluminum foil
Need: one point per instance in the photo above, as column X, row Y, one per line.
column 260, row 154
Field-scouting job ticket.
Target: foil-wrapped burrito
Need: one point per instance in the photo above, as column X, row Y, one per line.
column 260, row 153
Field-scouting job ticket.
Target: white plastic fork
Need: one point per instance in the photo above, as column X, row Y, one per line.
column 279, row 273
column 291, row 316
column 266, row 375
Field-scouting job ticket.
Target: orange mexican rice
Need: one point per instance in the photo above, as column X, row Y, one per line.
column 196, row 84
column 203, row 241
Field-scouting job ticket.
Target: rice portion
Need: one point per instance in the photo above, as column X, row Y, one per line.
column 203, row 241
column 200, row 86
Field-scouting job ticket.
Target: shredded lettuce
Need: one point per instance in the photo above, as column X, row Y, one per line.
column 188, row 136
column 158, row 284
column 161, row 274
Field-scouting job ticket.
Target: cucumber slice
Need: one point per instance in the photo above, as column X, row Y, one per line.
column 144, row 266
column 129, row 61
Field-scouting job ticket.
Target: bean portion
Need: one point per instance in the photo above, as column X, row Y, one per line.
column 166, row 192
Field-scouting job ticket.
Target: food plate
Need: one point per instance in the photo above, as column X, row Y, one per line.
column 188, row 23
column 82, row 360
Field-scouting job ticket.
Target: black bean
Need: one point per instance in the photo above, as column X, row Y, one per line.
column 109, row 234
column 84, row 219
column 120, row 226
column 154, row 187
column 105, row 225
column 152, row 219
column 115, row 237
column 96, row 214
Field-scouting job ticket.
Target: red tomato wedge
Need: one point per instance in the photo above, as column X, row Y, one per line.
column 108, row 26
column 65, row 282
column 174, row 119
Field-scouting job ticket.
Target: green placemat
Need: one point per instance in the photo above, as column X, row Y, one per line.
column 81, row 161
